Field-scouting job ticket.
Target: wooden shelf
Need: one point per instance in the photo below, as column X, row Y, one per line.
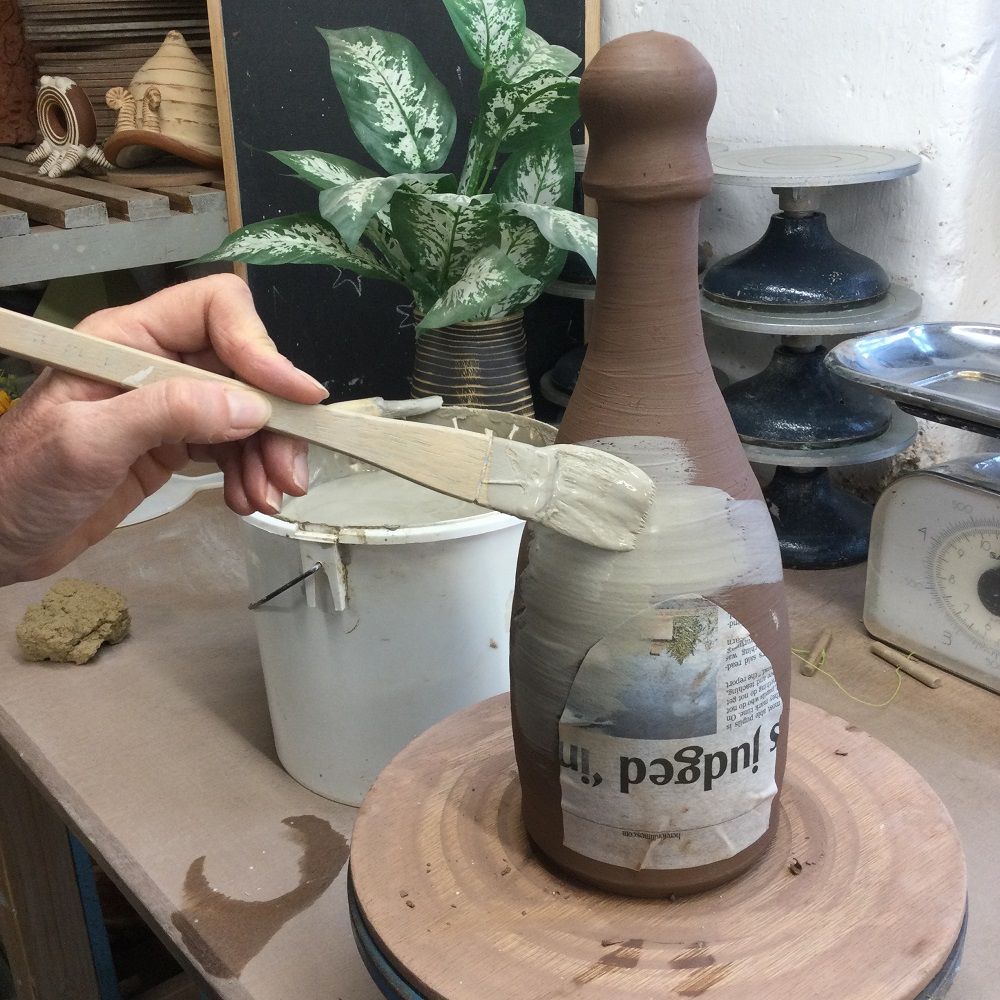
column 63, row 226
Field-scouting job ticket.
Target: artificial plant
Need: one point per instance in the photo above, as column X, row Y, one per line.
column 479, row 245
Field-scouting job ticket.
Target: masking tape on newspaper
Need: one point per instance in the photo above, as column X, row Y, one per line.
column 668, row 741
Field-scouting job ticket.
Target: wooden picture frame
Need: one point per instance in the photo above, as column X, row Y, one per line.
column 274, row 92
column 220, row 67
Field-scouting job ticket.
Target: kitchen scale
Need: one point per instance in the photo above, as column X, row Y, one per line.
column 933, row 585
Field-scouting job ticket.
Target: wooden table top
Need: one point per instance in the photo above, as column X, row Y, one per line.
column 160, row 756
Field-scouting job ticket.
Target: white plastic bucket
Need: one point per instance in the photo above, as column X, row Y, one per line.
column 400, row 628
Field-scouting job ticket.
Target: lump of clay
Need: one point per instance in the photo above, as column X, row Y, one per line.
column 73, row 621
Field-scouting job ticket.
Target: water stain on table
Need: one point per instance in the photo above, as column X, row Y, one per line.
column 223, row 934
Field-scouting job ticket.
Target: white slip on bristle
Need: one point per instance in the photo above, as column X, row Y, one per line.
column 587, row 494
column 598, row 498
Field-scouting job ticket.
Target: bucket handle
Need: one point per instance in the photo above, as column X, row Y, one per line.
column 301, row 578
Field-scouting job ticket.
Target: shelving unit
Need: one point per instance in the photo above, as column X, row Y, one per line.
column 59, row 227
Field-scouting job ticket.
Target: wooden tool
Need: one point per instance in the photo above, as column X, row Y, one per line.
column 580, row 492
column 817, row 655
column 909, row 664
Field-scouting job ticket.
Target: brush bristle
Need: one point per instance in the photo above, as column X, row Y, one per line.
column 598, row 498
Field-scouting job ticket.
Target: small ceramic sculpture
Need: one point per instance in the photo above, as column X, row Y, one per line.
column 144, row 116
column 650, row 689
column 169, row 107
column 66, row 118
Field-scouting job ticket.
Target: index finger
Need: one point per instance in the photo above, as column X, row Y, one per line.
column 204, row 320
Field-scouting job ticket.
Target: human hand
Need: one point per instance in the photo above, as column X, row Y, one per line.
column 76, row 456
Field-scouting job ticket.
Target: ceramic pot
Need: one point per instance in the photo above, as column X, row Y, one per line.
column 650, row 689
column 478, row 364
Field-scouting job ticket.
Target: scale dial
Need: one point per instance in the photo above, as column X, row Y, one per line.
column 934, row 569
column 966, row 569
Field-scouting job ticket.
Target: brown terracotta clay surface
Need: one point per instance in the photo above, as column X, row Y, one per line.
column 17, row 78
column 647, row 379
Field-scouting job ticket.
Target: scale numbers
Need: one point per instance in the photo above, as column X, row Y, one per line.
column 965, row 566
column 933, row 586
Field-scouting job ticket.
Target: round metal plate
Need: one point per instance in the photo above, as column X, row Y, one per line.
column 811, row 166
column 897, row 438
column 900, row 305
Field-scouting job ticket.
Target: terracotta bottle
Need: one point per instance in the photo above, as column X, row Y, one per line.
column 650, row 689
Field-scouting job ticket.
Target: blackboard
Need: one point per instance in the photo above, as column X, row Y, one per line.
column 353, row 334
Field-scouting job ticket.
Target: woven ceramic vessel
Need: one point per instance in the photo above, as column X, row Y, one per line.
column 478, row 364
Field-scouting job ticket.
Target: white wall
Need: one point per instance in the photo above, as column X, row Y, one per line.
column 920, row 75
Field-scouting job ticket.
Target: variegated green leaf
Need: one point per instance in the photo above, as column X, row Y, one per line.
column 562, row 228
column 475, row 159
column 490, row 30
column 522, row 297
column 510, row 117
column 488, row 277
column 555, row 261
column 296, row 239
column 351, row 207
column 322, row 170
column 521, row 241
column 398, row 109
column 441, row 233
column 543, row 105
column 385, row 242
column 535, row 257
column 540, row 175
column 535, row 54
column 514, row 302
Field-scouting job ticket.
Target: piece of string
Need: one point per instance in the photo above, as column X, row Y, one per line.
column 861, row 701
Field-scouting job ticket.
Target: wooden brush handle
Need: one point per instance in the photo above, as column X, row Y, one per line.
column 450, row 461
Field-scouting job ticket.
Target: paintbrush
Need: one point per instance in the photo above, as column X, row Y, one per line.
column 581, row 492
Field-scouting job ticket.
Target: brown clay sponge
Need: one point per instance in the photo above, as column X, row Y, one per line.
column 74, row 619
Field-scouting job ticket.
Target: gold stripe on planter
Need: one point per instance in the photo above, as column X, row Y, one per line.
column 480, row 364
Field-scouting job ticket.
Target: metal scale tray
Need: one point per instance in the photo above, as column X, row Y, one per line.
column 946, row 372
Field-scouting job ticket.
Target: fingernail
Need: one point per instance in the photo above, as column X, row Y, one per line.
column 300, row 471
column 247, row 409
column 273, row 497
column 306, row 377
column 315, row 381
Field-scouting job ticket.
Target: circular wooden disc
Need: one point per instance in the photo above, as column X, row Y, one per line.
column 861, row 896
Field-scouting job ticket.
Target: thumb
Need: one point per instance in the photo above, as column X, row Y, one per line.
column 174, row 411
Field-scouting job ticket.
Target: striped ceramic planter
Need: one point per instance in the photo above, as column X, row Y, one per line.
column 475, row 364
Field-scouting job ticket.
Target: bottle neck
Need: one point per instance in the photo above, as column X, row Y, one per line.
column 647, row 371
